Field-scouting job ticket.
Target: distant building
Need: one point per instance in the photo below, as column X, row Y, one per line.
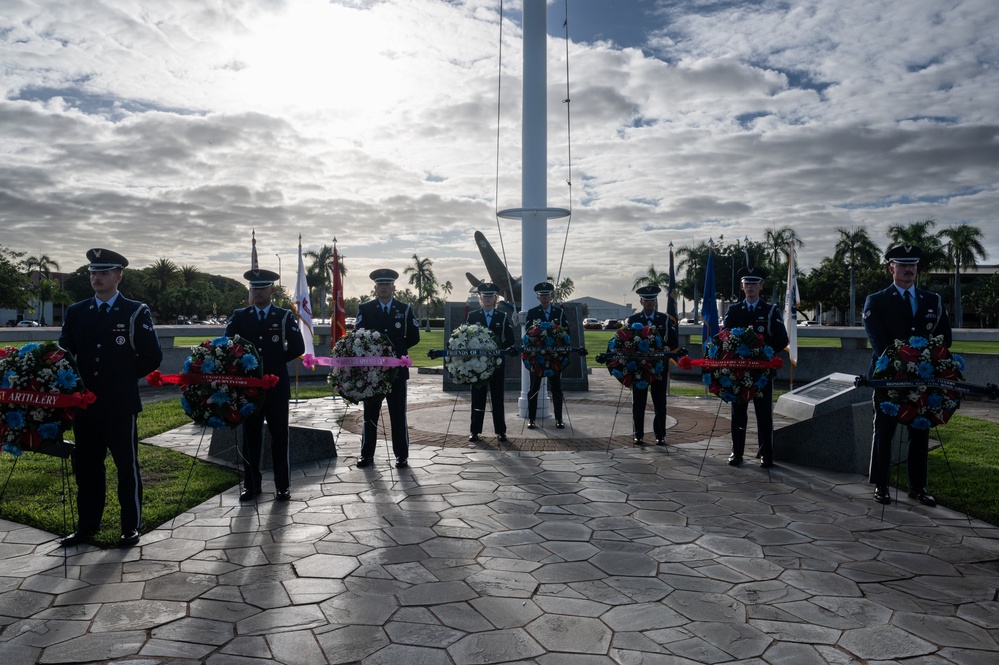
column 603, row 309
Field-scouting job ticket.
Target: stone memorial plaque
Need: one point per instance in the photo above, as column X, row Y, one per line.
column 827, row 394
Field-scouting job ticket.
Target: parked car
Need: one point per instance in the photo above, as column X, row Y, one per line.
column 687, row 322
column 808, row 323
column 349, row 322
column 28, row 324
column 592, row 324
column 612, row 324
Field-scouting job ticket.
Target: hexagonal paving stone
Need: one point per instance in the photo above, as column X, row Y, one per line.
column 326, row 565
column 571, row 634
column 500, row 646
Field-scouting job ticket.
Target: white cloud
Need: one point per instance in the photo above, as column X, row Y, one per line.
column 173, row 129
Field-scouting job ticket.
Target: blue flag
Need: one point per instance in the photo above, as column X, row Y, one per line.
column 709, row 306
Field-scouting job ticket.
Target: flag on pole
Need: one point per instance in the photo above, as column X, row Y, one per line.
column 338, row 327
column 791, row 302
column 709, row 306
column 671, row 290
column 303, row 305
column 254, row 263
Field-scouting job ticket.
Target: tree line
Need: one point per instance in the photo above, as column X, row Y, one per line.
column 841, row 282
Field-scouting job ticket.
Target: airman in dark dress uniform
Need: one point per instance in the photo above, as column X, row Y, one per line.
column 545, row 312
column 499, row 324
column 275, row 333
column 765, row 319
column 115, row 345
column 899, row 312
column 397, row 321
column 667, row 330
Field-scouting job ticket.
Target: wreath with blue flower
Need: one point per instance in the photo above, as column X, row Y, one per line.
column 40, row 390
column 225, row 401
column 545, row 349
column 744, row 364
column 628, row 361
column 914, row 359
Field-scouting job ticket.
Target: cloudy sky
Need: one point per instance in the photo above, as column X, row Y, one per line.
column 173, row 129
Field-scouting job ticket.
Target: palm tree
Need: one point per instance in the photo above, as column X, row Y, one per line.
column 43, row 265
column 317, row 275
column 421, row 275
column 918, row 234
column 162, row 274
column 563, row 290
column 964, row 248
column 693, row 260
column 855, row 248
column 775, row 242
column 652, row 278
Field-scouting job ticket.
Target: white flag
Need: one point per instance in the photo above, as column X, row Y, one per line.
column 791, row 302
column 303, row 303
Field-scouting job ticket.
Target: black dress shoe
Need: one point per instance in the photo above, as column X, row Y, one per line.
column 501, row 437
column 559, row 425
column 531, row 425
column 402, row 464
column 248, row 495
column 78, row 537
column 661, row 442
column 282, row 495
column 922, row 496
column 474, row 438
column 766, row 463
column 734, row 460
column 364, row 462
column 129, row 538
column 638, row 441
column 882, row 495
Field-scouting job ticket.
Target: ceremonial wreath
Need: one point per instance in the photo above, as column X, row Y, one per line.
column 919, row 359
column 40, row 390
column 222, row 382
column 737, row 364
column 545, row 349
column 630, row 358
column 471, row 369
column 367, row 375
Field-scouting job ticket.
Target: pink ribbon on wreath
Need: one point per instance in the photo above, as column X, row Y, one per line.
column 735, row 363
column 311, row 361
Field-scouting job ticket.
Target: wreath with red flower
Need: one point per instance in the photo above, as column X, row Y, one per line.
column 737, row 364
column 223, row 382
column 918, row 359
column 629, row 356
column 40, row 390
column 545, row 349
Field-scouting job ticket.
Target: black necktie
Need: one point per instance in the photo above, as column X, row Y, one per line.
column 489, row 320
column 103, row 309
column 261, row 315
column 908, row 302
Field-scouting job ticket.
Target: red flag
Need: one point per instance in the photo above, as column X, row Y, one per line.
column 339, row 321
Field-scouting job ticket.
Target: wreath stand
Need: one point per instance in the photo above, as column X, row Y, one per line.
column 63, row 450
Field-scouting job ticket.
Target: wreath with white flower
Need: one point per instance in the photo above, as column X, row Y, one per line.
column 471, row 369
column 545, row 349
column 629, row 361
column 40, row 390
column 737, row 364
column 356, row 383
column 914, row 359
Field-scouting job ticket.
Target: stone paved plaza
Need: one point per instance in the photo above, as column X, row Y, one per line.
column 562, row 547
